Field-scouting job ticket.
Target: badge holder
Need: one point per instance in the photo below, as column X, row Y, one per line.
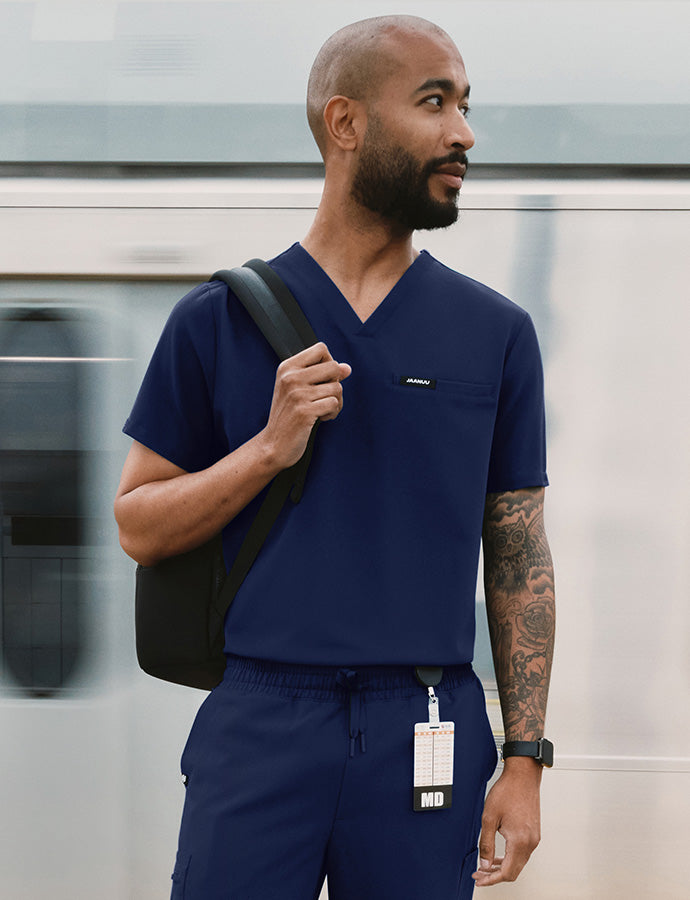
column 433, row 750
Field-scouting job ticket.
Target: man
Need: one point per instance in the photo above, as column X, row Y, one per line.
column 300, row 764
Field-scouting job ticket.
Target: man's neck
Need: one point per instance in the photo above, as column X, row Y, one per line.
column 363, row 255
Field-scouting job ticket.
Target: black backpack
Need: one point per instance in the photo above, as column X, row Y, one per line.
column 181, row 602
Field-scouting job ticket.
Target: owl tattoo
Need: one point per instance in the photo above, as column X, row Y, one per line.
column 513, row 549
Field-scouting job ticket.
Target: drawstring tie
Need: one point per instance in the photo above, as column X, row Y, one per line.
column 349, row 679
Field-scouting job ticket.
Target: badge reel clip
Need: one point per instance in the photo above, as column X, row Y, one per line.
column 433, row 750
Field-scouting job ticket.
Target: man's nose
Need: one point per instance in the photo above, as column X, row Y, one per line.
column 460, row 135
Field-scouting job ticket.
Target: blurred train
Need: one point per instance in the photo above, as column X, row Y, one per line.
column 90, row 794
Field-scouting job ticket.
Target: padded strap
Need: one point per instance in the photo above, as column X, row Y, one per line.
column 300, row 323
column 280, row 319
column 290, row 306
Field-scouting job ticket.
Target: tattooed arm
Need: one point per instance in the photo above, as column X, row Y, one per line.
column 519, row 589
column 518, row 583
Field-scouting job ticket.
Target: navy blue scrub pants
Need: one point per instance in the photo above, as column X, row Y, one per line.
column 298, row 772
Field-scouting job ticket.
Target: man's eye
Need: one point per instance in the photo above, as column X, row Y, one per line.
column 436, row 99
column 465, row 110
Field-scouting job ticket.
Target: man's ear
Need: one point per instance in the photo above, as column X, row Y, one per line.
column 345, row 122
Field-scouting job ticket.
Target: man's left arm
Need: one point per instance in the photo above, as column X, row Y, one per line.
column 519, row 590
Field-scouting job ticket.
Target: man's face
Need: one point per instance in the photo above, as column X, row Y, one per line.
column 392, row 182
column 412, row 159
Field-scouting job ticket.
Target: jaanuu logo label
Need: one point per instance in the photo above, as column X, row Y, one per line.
column 416, row 381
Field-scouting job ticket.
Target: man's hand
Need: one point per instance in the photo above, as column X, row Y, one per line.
column 511, row 808
column 162, row 510
column 307, row 388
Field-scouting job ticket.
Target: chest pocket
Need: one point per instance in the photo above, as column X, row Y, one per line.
column 440, row 425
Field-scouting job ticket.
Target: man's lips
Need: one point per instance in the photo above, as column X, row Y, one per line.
column 451, row 174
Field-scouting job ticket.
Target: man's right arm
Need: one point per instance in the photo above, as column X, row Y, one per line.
column 162, row 510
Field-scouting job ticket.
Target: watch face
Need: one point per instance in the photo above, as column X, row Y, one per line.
column 546, row 752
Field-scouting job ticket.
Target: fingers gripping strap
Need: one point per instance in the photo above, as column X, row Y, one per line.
column 279, row 317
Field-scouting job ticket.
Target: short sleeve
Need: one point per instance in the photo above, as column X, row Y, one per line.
column 173, row 411
column 518, row 450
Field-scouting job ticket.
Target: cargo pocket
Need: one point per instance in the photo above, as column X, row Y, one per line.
column 469, row 865
column 179, row 876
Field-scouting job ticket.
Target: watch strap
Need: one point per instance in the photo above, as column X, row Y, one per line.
column 541, row 750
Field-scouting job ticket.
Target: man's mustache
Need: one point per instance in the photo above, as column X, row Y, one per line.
column 456, row 157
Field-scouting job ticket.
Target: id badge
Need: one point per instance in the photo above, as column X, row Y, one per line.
column 433, row 761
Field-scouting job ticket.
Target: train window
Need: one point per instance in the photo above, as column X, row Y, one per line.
column 43, row 524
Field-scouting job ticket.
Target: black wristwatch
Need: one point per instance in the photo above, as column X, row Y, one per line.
column 541, row 750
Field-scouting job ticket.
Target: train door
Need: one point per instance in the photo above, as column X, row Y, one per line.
column 63, row 724
column 44, row 529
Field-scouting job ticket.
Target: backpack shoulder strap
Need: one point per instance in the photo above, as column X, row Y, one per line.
column 269, row 302
column 280, row 319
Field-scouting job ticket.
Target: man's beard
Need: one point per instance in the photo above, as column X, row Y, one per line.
column 391, row 182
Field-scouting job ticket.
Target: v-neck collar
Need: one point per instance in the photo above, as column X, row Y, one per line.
column 340, row 307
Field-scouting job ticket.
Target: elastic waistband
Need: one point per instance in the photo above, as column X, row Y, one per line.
column 336, row 682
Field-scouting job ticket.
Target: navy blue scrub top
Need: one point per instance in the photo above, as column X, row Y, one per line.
column 378, row 562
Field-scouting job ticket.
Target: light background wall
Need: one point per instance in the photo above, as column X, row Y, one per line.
column 554, row 81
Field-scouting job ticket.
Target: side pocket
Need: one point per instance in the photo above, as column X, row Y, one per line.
column 469, row 865
column 489, row 739
column 196, row 738
column 179, row 876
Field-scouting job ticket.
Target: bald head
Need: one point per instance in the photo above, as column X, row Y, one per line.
column 356, row 60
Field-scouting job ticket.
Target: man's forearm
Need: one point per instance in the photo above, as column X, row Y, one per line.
column 164, row 517
column 520, row 604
